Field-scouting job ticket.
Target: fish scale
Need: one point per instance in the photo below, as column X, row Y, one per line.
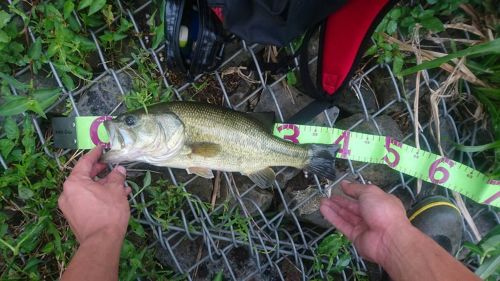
column 245, row 144
column 202, row 137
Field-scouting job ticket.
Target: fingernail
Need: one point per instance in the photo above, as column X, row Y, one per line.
column 345, row 182
column 329, row 192
column 121, row 170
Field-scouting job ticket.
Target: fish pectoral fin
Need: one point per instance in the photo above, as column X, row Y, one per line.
column 263, row 178
column 202, row 172
column 185, row 150
column 205, row 149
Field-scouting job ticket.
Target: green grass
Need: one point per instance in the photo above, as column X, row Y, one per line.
column 487, row 255
column 482, row 59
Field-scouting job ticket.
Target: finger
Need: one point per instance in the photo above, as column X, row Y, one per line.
column 326, row 201
column 345, row 214
column 332, row 217
column 347, row 203
column 352, row 189
column 128, row 190
column 61, row 201
column 86, row 163
column 116, row 176
column 97, row 168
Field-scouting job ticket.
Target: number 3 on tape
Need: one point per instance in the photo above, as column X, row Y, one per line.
column 295, row 132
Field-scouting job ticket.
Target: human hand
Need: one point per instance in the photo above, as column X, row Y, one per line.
column 368, row 220
column 95, row 207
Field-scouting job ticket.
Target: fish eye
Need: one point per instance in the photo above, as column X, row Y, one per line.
column 130, row 120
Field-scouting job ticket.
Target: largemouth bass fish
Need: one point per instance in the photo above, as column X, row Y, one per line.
column 201, row 138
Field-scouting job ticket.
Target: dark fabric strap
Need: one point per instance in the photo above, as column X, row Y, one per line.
column 308, row 113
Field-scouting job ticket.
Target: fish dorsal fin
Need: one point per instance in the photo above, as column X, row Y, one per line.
column 202, row 172
column 263, row 178
column 205, row 149
column 266, row 119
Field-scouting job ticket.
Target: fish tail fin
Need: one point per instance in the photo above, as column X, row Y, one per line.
column 321, row 160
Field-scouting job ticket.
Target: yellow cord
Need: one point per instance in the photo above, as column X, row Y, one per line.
column 431, row 205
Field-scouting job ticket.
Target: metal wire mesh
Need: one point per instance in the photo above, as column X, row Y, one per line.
column 272, row 239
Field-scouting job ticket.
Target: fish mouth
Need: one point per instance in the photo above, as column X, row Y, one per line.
column 115, row 138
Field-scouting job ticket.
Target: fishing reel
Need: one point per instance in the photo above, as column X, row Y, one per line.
column 194, row 41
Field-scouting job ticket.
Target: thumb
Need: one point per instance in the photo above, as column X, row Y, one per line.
column 117, row 176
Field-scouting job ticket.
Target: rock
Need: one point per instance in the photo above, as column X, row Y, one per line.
column 289, row 99
column 386, row 92
column 377, row 174
column 299, row 189
column 104, row 96
column 201, row 188
column 324, row 118
column 42, row 82
column 374, row 272
column 349, row 101
column 404, row 195
column 387, row 126
column 312, row 50
column 484, row 219
column 286, row 175
column 185, row 253
column 240, row 260
column 243, row 90
column 289, row 270
column 262, row 198
column 297, row 192
column 447, row 134
column 243, row 58
column 39, row 81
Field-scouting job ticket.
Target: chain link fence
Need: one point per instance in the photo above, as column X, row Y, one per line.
column 246, row 238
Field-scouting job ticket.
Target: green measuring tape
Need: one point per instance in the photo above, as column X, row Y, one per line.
column 86, row 132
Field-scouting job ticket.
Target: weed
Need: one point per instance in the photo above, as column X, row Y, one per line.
column 115, row 35
column 35, row 242
column 32, row 241
column 481, row 69
column 404, row 19
column 487, row 252
column 13, row 52
column 147, row 83
column 35, row 100
column 332, row 256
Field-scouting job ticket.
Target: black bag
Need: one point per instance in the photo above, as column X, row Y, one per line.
column 202, row 52
column 274, row 22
